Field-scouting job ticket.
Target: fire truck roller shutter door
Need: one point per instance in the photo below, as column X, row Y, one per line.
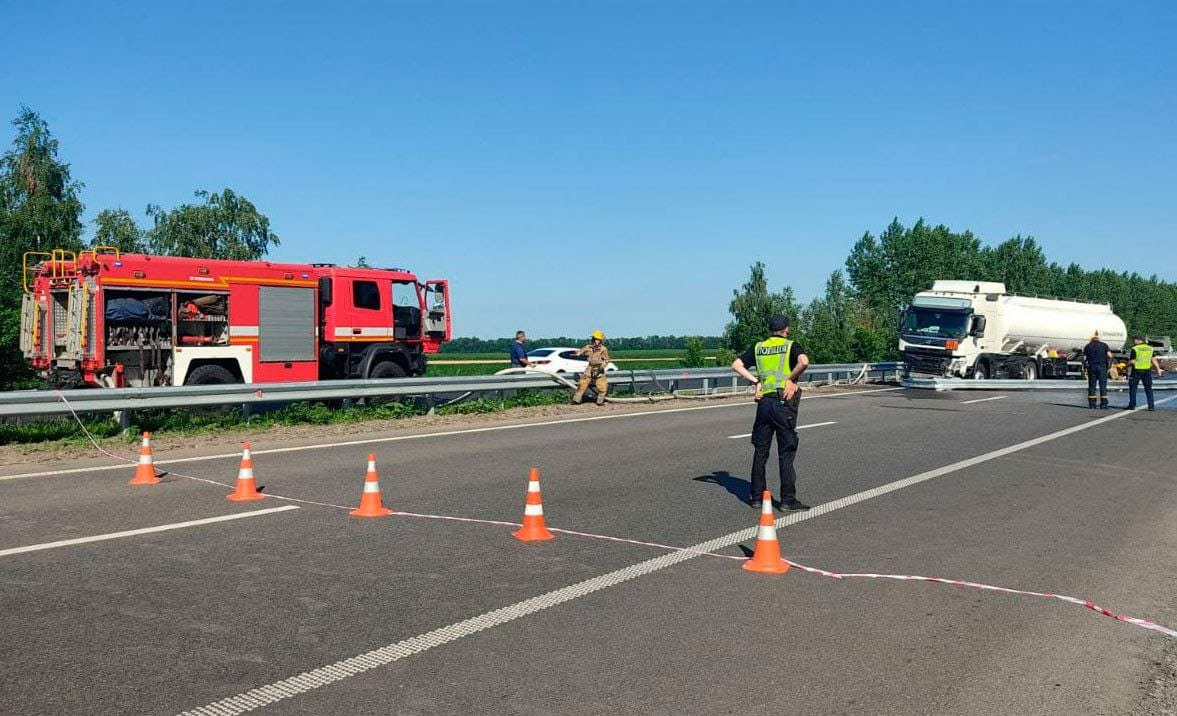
column 286, row 324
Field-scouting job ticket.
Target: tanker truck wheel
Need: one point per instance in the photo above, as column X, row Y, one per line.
column 1030, row 370
column 981, row 372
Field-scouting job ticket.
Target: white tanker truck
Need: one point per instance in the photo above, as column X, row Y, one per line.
column 974, row 329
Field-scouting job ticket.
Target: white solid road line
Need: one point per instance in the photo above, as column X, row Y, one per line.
column 982, row 400
column 420, row 436
column 799, row 427
column 143, row 531
column 340, row 670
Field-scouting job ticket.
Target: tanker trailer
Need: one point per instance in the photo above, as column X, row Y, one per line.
column 974, row 329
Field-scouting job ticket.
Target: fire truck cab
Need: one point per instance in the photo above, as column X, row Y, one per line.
column 105, row 319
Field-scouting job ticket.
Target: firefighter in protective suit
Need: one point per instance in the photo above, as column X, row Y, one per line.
column 598, row 359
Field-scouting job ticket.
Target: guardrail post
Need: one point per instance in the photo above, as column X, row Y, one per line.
column 706, row 388
column 123, row 419
column 429, row 401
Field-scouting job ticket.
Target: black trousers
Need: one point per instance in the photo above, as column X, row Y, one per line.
column 1097, row 375
column 1137, row 377
column 775, row 417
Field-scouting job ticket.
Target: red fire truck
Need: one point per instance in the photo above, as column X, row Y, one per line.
column 105, row 319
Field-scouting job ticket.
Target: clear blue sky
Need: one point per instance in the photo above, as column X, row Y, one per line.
column 618, row 165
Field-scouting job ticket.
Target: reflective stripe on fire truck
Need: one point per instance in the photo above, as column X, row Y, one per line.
column 243, row 330
column 349, row 332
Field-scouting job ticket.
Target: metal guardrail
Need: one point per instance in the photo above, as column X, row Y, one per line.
column 27, row 403
column 946, row 384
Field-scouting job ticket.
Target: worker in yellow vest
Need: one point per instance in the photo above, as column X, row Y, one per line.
column 1144, row 362
column 779, row 363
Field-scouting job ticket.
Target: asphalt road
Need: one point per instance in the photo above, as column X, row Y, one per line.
column 173, row 620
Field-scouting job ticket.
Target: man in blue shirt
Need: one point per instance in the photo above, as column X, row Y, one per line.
column 518, row 352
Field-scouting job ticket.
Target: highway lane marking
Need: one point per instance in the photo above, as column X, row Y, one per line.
column 396, row 651
column 420, row 436
column 143, row 531
column 799, row 427
column 982, row 400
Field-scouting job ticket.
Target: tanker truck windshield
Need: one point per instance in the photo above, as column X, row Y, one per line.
column 938, row 323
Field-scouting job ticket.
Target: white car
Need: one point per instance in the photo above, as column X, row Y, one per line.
column 561, row 360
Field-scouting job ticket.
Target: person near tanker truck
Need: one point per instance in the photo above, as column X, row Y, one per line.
column 594, row 373
column 779, row 364
column 1143, row 363
column 1098, row 356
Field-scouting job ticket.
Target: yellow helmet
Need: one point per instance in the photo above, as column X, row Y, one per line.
column 598, row 335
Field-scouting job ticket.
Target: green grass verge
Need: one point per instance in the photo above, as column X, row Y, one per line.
column 182, row 422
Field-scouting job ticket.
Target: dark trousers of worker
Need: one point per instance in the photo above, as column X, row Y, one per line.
column 1097, row 375
column 775, row 417
column 1140, row 376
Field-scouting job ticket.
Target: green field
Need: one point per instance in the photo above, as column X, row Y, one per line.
column 491, row 368
column 654, row 353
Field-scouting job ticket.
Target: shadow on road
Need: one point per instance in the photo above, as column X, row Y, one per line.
column 737, row 486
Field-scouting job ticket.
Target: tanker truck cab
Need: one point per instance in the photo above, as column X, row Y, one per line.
column 974, row 329
column 944, row 331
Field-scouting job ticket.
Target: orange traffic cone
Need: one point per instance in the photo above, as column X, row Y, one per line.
column 370, row 503
column 767, row 557
column 246, row 484
column 145, row 470
column 533, row 529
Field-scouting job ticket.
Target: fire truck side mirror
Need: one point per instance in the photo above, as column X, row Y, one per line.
column 325, row 296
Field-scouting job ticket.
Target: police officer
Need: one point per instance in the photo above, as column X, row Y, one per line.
column 598, row 360
column 779, row 363
column 1098, row 357
column 1143, row 364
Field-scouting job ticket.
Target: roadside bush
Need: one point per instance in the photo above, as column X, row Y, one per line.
column 694, row 356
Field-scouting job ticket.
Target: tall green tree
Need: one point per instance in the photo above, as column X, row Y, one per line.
column 1020, row 264
column 224, row 225
column 40, row 209
column 751, row 307
column 828, row 323
column 117, row 228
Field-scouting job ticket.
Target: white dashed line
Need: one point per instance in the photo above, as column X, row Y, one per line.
column 799, row 427
column 142, row 531
column 385, row 655
column 982, row 400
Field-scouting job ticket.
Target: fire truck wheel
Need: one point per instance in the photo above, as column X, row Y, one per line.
column 386, row 369
column 210, row 375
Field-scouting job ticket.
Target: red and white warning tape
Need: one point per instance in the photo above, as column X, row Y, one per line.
column 1085, row 603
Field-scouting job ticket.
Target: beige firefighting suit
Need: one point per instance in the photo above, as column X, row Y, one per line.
column 598, row 358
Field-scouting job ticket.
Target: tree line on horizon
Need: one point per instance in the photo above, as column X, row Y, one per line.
column 854, row 320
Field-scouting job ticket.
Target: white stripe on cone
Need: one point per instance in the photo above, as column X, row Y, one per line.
column 766, row 533
column 245, row 472
column 533, row 485
column 144, row 459
column 371, row 486
column 533, row 510
column 371, row 466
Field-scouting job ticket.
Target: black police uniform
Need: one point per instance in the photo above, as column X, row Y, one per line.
column 1096, row 353
column 775, row 416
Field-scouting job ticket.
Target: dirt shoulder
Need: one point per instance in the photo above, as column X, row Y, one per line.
column 15, row 457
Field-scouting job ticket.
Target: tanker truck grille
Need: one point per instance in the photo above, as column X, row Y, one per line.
column 924, row 361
